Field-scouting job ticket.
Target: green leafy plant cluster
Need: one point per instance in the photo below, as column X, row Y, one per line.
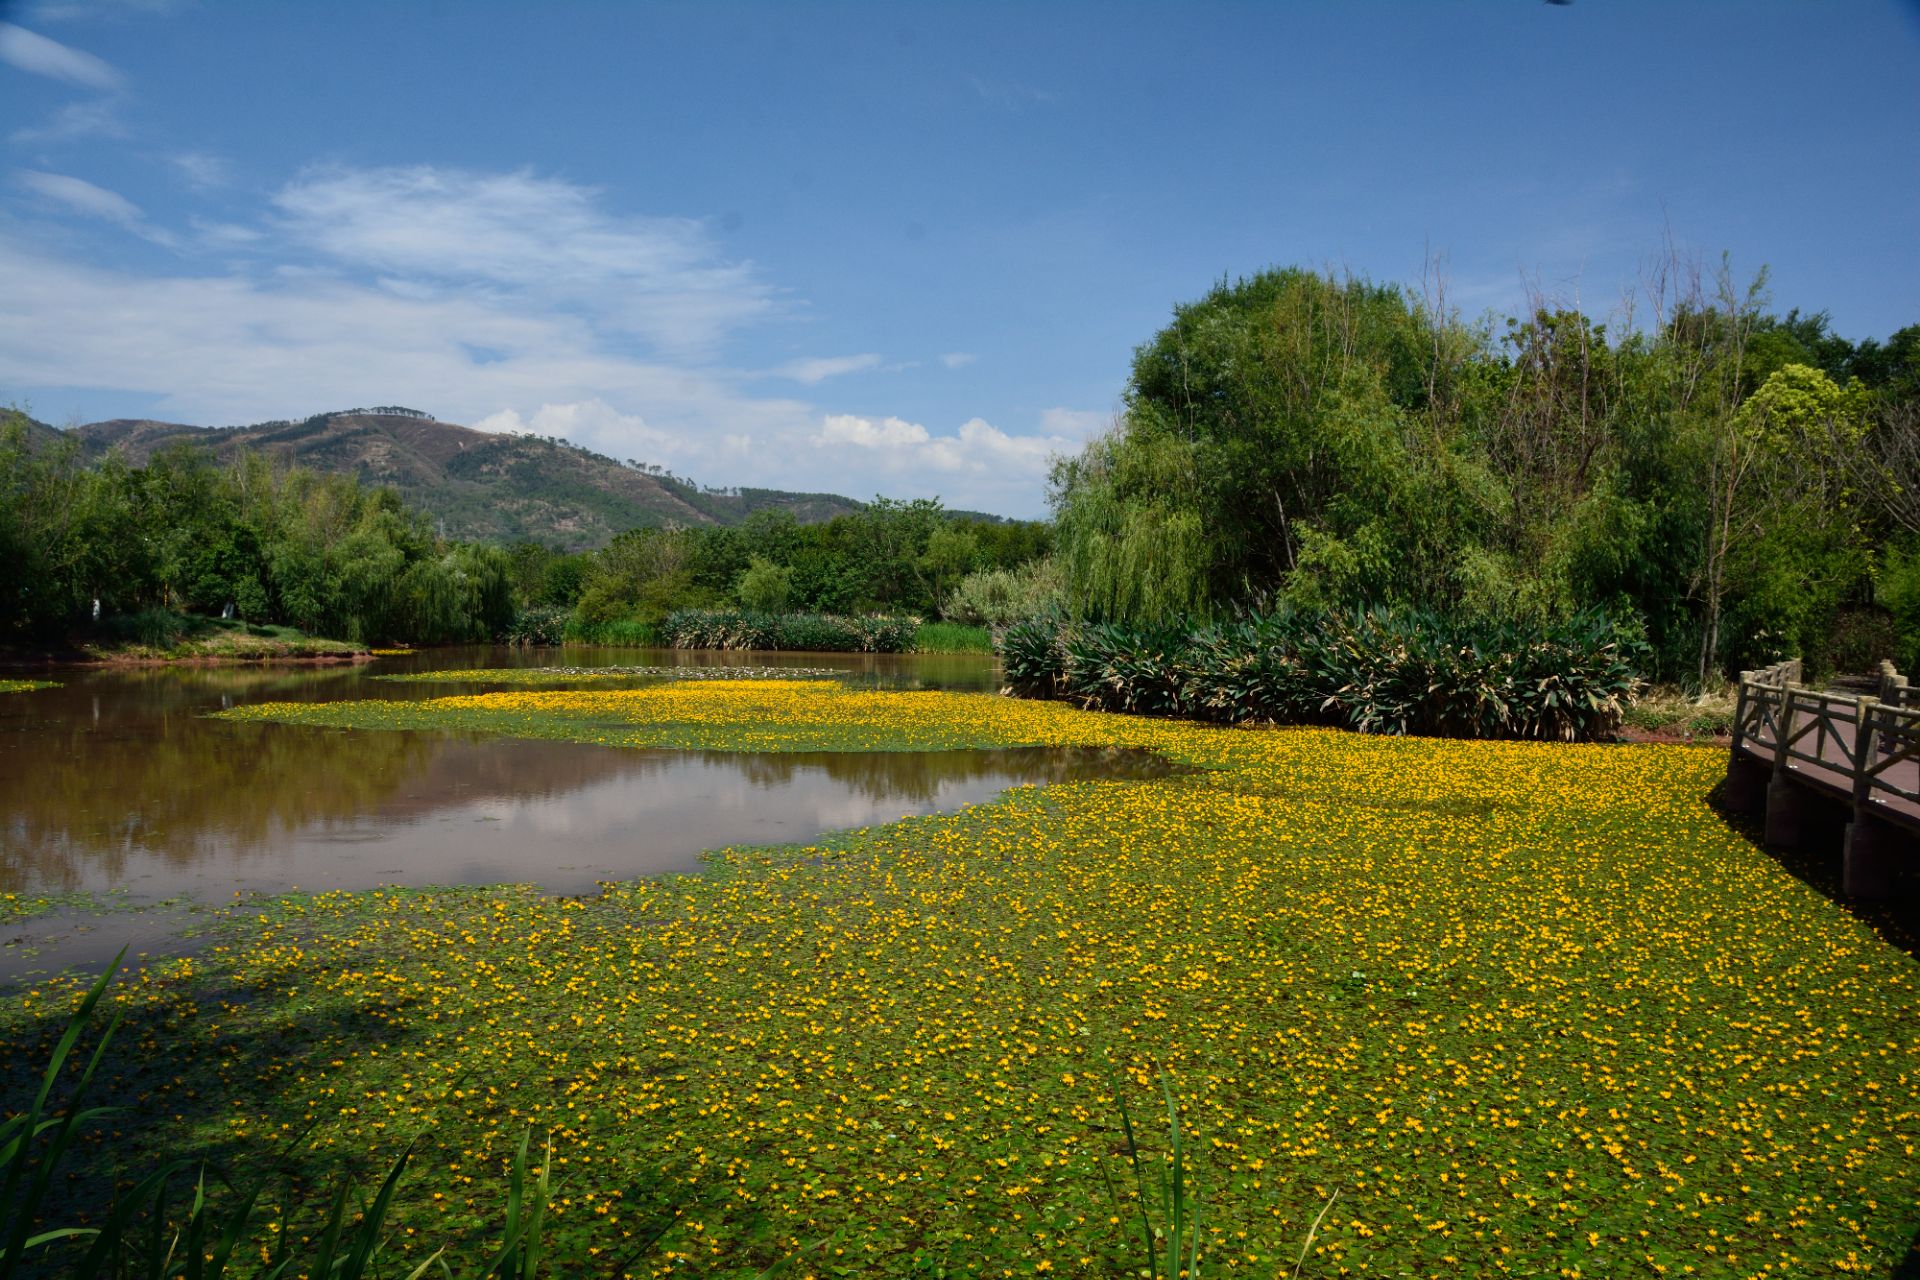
column 1375, row 671
column 818, row 632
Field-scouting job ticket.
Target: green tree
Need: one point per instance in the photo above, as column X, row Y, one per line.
column 765, row 586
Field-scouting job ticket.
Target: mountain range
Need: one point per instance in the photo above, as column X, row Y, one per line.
column 476, row 485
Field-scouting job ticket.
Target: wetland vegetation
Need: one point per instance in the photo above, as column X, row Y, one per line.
column 1525, row 1007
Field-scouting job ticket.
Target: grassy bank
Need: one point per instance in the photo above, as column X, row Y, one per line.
column 27, row 686
column 158, row 636
column 1527, row 1009
column 1669, row 712
column 952, row 637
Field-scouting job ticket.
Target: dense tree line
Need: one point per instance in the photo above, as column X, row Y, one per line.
column 1739, row 484
column 328, row 555
column 294, row 547
column 898, row 557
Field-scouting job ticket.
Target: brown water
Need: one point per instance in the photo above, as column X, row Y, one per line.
column 118, row 783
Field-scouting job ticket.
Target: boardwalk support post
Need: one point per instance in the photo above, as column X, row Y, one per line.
column 1868, row 855
column 1790, row 815
column 1746, row 786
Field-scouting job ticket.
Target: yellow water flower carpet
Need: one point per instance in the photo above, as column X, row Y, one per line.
column 1508, row 1008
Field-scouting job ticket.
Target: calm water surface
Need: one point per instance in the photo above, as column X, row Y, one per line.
column 118, row 783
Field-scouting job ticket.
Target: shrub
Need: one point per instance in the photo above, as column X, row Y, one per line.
column 538, row 625
column 1375, row 671
column 1000, row 597
column 820, row 632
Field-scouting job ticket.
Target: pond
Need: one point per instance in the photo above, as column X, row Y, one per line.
column 119, row 784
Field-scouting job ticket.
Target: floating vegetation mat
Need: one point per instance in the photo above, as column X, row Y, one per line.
column 27, row 686
column 535, row 676
column 1474, row 1008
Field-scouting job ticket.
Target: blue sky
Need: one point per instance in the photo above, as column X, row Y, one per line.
column 902, row 248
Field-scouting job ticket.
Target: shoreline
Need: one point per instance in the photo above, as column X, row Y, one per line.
column 82, row 661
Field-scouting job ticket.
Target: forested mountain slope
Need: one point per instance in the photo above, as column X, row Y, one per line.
column 475, row 484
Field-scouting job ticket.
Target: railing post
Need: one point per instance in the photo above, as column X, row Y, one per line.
column 1783, row 729
column 1740, row 713
column 1863, row 751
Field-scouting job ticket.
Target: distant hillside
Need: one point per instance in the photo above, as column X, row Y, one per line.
column 479, row 485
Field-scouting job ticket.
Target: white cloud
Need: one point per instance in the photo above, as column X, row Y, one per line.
column 1076, row 424
column 594, row 424
column 202, row 172
column 99, row 118
column 867, row 433
column 27, row 51
column 978, row 447
column 958, row 359
column 659, row 278
column 821, row 368
column 77, row 195
column 507, row 307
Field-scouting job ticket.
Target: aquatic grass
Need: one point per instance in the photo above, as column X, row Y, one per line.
column 537, row 677
column 1424, row 1006
column 27, row 686
column 952, row 637
column 1165, row 1205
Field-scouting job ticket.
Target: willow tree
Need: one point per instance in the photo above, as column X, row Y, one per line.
column 1129, row 529
column 1279, row 438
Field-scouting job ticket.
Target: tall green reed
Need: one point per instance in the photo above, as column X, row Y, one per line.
column 219, row 1234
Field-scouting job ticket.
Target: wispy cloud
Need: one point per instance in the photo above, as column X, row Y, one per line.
column 819, row 369
column 72, row 10
column 662, row 279
column 958, row 359
column 77, row 195
column 99, row 118
column 37, row 55
column 201, row 171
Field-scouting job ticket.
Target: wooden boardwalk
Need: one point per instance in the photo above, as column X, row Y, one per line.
column 1817, row 761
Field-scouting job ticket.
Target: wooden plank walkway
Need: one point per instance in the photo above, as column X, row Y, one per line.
column 1802, row 754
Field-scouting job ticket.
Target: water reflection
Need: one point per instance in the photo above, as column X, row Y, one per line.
column 119, row 782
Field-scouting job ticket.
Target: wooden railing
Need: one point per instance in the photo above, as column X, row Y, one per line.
column 1819, row 729
column 1762, row 696
column 1862, row 743
column 1890, row 738
column 1894, row 690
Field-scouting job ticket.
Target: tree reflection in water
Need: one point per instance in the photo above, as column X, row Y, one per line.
column 118, row 781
